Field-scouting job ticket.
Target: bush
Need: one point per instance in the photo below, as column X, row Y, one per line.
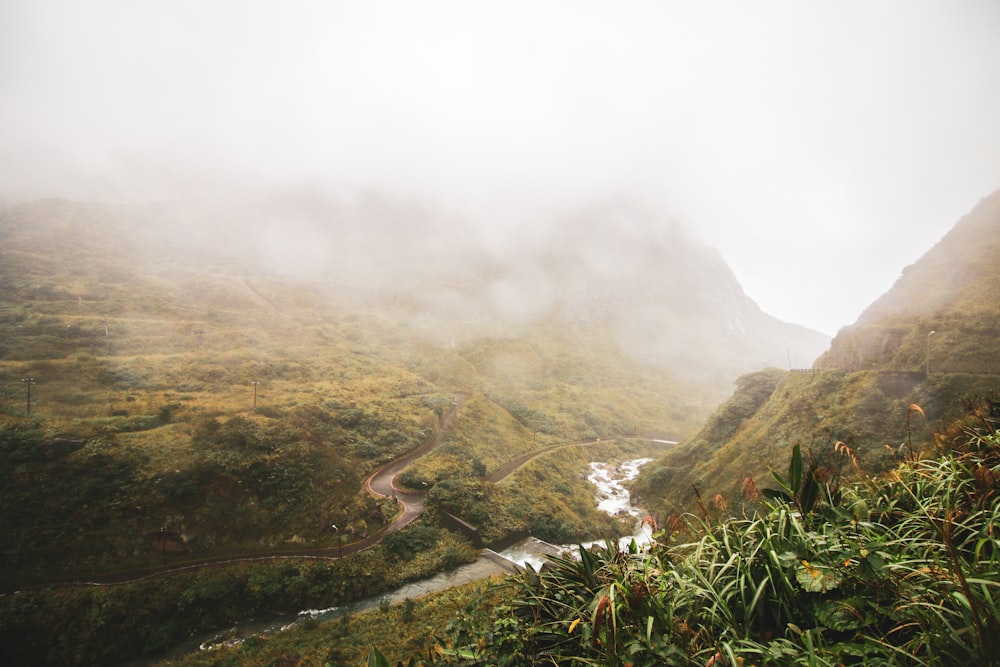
column 894, row 571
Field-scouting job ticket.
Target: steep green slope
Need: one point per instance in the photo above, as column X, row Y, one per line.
column 897, row 570
column 147, row 441
column 861, row 390
column 951, row 291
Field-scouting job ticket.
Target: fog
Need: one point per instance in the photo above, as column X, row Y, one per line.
column 821, row 146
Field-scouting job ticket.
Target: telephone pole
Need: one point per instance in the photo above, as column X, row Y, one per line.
column 255, row 383
column 929, row 351
column 340, row 544
column 28, row 382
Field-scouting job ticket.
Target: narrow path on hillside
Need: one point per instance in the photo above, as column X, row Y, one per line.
column 506, row 469
column 380, row 483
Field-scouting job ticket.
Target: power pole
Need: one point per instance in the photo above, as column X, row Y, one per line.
column 255, row 383
column 929, row 351
column 340, row 544
column 28, row 382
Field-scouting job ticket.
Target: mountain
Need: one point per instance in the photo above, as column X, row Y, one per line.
column 670, row 299
column 226, row 377
column 932, row 341
column 614, row 270
column 951, row 291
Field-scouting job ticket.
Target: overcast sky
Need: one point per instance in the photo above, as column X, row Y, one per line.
column 820, row 146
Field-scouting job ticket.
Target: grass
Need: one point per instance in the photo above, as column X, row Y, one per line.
column 138, row 355
column 143, row 352
column 109, row 625
column 900, row 569
column 767, row 416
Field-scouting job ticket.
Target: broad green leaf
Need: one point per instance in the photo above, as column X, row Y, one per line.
column 844, row 615
column 816, row 578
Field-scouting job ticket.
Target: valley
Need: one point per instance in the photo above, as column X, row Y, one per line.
column 189, row 408
column 452, row 334
column 191, row 439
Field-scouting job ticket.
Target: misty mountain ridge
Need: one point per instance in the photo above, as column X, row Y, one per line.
column 666, row 298
column 144, row 328
column 932, row 340
column 951, row 291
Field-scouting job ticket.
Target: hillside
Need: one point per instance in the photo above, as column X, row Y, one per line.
column 895, row 570
column 951, row 291
column 223, row 381
column 932, row 340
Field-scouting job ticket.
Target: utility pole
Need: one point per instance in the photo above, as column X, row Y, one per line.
column 340, row 544
column 28, row 382
column 255, row 383
column 929, row 351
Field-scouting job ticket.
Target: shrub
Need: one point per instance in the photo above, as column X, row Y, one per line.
column 900, row 570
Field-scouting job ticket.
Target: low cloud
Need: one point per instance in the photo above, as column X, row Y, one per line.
column 795, row 138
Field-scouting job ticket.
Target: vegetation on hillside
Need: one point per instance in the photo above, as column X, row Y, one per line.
column 187, row 406
column 835, row 569
column 180, row 410
column 93, row 625
column 941, row 314
column 772, row 411
column 541, row 498
column 90, row 502
column 931, row 341
column 901, row 569
column 211, row 408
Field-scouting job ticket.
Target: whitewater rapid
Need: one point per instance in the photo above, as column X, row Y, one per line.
column 612, row 497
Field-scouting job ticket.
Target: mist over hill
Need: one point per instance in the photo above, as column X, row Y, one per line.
column 208, row 350
column 933, row 340
column 951, row 291
column 665, row 297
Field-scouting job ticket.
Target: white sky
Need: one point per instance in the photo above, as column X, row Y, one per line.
column 821, row 146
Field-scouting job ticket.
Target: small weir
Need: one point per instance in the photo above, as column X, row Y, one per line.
column 612, row 497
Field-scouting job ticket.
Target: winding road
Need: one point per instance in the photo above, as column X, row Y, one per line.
column 380, row 483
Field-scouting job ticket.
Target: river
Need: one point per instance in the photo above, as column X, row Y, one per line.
column 611, row 495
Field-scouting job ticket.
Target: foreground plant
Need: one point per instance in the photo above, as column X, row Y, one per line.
column 902, row 570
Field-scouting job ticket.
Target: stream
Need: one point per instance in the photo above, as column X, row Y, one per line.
column 612, row 497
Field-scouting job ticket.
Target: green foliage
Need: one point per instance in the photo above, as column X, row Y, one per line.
column 403, row 545
column 64, row 507
column 483, row 438
column 107, row 625
column 145, row 354
column 899, row 570
column 553, row 503
column 143, row 369
column 804, row 486
column 866, row 410
column 931, row 341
